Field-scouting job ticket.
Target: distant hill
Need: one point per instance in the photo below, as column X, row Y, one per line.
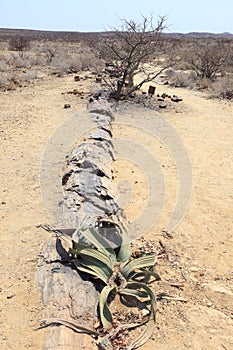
column 6, row 33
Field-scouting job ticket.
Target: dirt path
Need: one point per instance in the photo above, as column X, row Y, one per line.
column 202, row 245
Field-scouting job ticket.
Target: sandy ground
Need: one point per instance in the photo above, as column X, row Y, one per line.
column 198, row 257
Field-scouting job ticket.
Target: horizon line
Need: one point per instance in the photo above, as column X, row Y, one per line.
column 105, row 31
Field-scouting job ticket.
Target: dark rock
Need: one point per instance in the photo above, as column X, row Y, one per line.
column 67, row 105
column 162, row 105
column 176, row 99
column 151, row 90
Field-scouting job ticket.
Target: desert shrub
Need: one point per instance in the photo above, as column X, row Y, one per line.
column 20, row 44
column 207, row 60
column 89, row 59
column 80, row 60
column 31, row 75
column 170, row 72
column 2, row 57
column 49, row 54
column 203, row 83
column 3, row 66
column 64, row 64
column 19, row 62
column 3, row 81
column 223, row 88
column 182, row 79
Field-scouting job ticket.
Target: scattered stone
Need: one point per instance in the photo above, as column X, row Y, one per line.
column 10, row 295
column 193, row 269
column 3, row 202
column 162, row 105
column 144, row 312
column 98, row 80
column 151, row 90
column 77, row 92
column 176, row 99
column 67, row 105
column 76, row 78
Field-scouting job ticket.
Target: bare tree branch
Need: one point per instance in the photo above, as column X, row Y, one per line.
column 131, row 46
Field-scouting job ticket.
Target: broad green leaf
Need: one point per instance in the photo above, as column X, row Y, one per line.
column 93, row 236
column 105, row 314
column 125, row 249
column 91, row 262
column 139, row 285
column 93, row 253
column 70, row 324
column 147, row 260
column 149, row 329
column 94, row 271
column 146, row 273
column 144, row 336
column 133, row 292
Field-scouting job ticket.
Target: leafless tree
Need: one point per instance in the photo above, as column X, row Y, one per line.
column 49, row 54
column 129, row 48
column 207, row 60
column 20, row 44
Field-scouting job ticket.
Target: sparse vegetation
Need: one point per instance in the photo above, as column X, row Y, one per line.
column 223, row 88
column 208, row 60
column 187, row 260
column 130, row 49
column 20, row 44
column 121, row 274
column 136, row 50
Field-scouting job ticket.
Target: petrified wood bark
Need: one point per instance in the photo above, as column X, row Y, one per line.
column 88, row 194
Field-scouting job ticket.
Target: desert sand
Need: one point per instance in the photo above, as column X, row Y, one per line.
column 199, row 254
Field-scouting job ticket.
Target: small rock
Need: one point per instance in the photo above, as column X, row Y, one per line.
column 193, row 269
column 144, row 312
column 176, row 99
column 10, row 295
column 67, row 105
column 162, row 105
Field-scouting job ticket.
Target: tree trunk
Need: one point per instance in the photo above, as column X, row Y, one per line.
column 88, row 193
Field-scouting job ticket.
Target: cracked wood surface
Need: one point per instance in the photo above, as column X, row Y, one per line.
column 88, row 194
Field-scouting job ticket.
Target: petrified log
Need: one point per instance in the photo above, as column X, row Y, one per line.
column 88, row 194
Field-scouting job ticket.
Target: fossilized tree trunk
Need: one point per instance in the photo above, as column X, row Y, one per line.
column 88, row 193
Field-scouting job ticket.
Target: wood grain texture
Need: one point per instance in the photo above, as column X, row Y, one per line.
column 88, row 193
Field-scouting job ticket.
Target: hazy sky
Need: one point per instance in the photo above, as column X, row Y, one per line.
column 89, row 15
